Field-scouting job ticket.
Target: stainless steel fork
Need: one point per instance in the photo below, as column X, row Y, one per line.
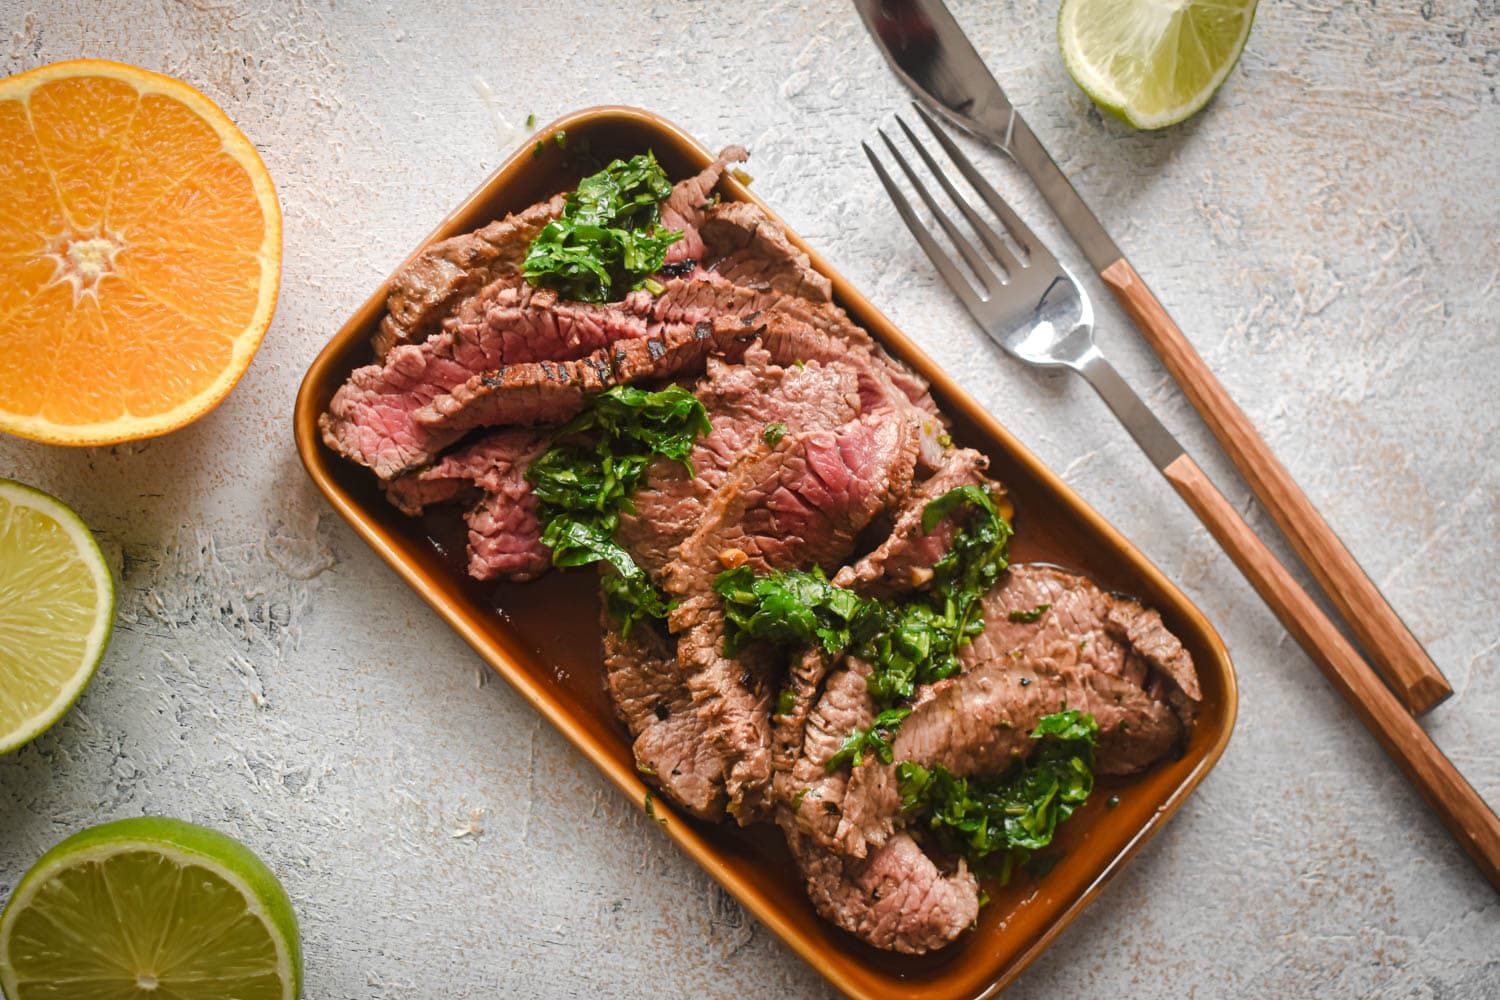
column 1032, row 307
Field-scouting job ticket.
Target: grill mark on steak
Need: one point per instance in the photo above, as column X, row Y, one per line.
column 980, row 722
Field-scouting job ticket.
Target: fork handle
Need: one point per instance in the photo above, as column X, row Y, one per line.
column 1398, row 655
column 1471, row 822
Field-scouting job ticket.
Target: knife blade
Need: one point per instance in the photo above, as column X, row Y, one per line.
column 930, row 53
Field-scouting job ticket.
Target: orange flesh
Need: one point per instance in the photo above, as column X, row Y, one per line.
column 140, row 243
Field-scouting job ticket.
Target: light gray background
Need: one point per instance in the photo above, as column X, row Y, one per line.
column 1326, row 232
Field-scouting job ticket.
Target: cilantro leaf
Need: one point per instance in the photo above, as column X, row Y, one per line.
column 875, row 739
column 996, row 824
column 586, row 478
column 608, row 239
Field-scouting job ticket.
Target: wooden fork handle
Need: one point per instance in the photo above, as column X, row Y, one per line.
column 1471, row 822
column 1389, row 643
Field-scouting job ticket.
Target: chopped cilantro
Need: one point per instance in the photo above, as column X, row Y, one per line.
column 585, row 479
column 997, row 823
column 909, row 642
column 874, row 739
column 608, row 239
column 773, row 433
column 1029, row 616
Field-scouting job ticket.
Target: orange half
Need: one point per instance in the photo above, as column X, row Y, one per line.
column 140, row 253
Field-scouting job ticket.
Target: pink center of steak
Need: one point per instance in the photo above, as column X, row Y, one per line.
column 742, row 402
column 504, row 532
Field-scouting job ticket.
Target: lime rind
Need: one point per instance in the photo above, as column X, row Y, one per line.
column 1128, row 39
column 87, row 549
column 184, row 844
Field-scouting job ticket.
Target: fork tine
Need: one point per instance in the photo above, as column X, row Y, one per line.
column 940, row 260
column 982, row 270
column 1026, row 241
column 991, row 239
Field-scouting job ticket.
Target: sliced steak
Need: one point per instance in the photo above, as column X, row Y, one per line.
column 979, row 723
column 684, row 209
column 792, row 339
column 800, row 504
column 371, row 418
column 430, row 285
column 742, row 401
column 1116, row 633
column 651, row 698
column 504, row 531
column 748, row 247
column 897, row 900
column 483, row 466
column 545, row 392
column 436, row 283
column 810, row 796
column 904, row 561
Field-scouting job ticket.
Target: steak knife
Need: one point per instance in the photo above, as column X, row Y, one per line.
column 930, row 53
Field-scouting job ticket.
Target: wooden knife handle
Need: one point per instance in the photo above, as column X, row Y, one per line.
column 1471, row 822
column 1389, row 643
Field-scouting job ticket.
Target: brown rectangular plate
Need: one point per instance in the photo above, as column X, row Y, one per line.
column 534, row 634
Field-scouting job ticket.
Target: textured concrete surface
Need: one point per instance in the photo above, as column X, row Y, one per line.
column 1327, row 233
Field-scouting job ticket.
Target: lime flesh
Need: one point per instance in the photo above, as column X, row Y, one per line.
column 56, row 609
column 1152, row 62
column 149, row 909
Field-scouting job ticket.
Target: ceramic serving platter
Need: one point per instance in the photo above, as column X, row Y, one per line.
column 543, row 637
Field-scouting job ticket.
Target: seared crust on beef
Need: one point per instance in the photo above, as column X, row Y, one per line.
column 980, row 722
column 427, row 289
column 547, row 392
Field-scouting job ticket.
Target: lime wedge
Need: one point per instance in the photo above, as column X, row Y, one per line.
column 148, row 909
column 1152, row 62
column 56, row 608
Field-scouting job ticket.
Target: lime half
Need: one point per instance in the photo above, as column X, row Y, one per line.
column 1152, row 62
column 148, row 909
column 56, row 608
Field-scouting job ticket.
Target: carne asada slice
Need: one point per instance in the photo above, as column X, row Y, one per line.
column 436, row 283
column 749, row 248
column 809, row 795
column 801, row 504
column 897, row 900
column 792, row 339
column 504, row 532
column 749, row 407
column 431, row 285
column 904, row 561
column 544, row 392
column 979, row 723
column 516, row 324
column 649, row 695
column 684, row 209
column 1117, row 634
column 480, row 467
